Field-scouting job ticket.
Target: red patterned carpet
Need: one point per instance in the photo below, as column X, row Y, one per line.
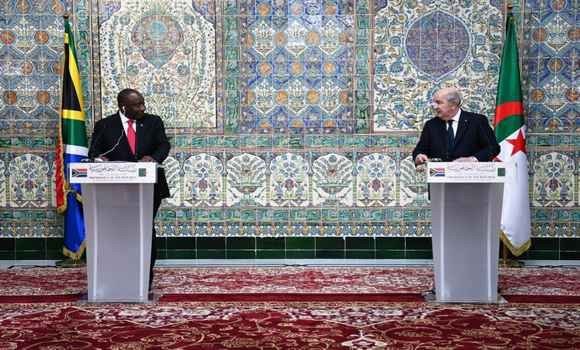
column 289, row 308
column 531, row 281
column 298, row 326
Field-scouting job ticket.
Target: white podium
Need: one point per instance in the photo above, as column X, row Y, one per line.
column 466, row 203
column 118, row 210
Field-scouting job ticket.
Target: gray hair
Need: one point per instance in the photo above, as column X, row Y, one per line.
column 454, row 97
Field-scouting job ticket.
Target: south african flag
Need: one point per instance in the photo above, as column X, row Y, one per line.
column 71, row 147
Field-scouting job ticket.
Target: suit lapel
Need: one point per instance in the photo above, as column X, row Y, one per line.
column 139, row 125
column 443, row 130
column 118, row 124
column 461, row 128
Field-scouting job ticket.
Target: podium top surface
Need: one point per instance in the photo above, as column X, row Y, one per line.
column 467, row 172
column 113, row 172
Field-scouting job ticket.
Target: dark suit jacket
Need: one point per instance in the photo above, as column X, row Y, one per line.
column 474, row 137
column 109, row 136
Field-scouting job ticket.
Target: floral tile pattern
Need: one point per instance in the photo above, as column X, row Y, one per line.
column 287, row 117
column 419, row 49
column 296, row 68
column 166, row 49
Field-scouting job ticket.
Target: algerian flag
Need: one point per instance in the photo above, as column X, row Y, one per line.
column 510, row 132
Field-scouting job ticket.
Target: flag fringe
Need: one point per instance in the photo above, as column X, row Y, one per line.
column 516, row 251
column 75, row 255
column 62, row 208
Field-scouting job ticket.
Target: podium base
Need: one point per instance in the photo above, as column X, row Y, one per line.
column 151, row 299
column 431, row 297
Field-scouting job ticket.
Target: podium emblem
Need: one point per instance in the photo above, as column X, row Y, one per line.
column 79, row 172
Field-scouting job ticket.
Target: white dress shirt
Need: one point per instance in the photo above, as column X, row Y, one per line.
column 455, row 123
column 125, row 122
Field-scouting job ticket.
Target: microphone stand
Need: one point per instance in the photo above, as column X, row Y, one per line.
column 109, row 150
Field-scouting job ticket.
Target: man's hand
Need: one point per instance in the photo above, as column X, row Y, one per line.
column 101, row 159
column 421, row 159
column 466, row 159
column 147, row 159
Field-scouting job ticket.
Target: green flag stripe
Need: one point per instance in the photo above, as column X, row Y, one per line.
column 508, row 126
column 509, row 88
column 73, row 132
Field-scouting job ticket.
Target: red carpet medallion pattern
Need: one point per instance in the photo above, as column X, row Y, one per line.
column 194, row 325
column 313, row 308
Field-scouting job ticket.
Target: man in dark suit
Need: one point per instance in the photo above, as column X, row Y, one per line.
column 132, row 135
column 454, row 134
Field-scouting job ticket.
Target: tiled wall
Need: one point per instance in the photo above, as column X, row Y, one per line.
column 293, row 248
column 289, row 119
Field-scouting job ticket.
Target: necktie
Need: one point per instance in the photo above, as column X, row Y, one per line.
column 131, row 136
column 450, row 136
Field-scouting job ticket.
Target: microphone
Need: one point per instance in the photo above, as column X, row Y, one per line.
column 112, row 148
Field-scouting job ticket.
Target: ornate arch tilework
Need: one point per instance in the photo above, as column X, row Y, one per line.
column 422, row 46
column 332, row 181
column 413, row 188
column 174, row 176
column 203, row 181
column 29, row 182
column 289, row 181
column 554, row 180
column 376, row 175
column 247, row 181
column 166, row 50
